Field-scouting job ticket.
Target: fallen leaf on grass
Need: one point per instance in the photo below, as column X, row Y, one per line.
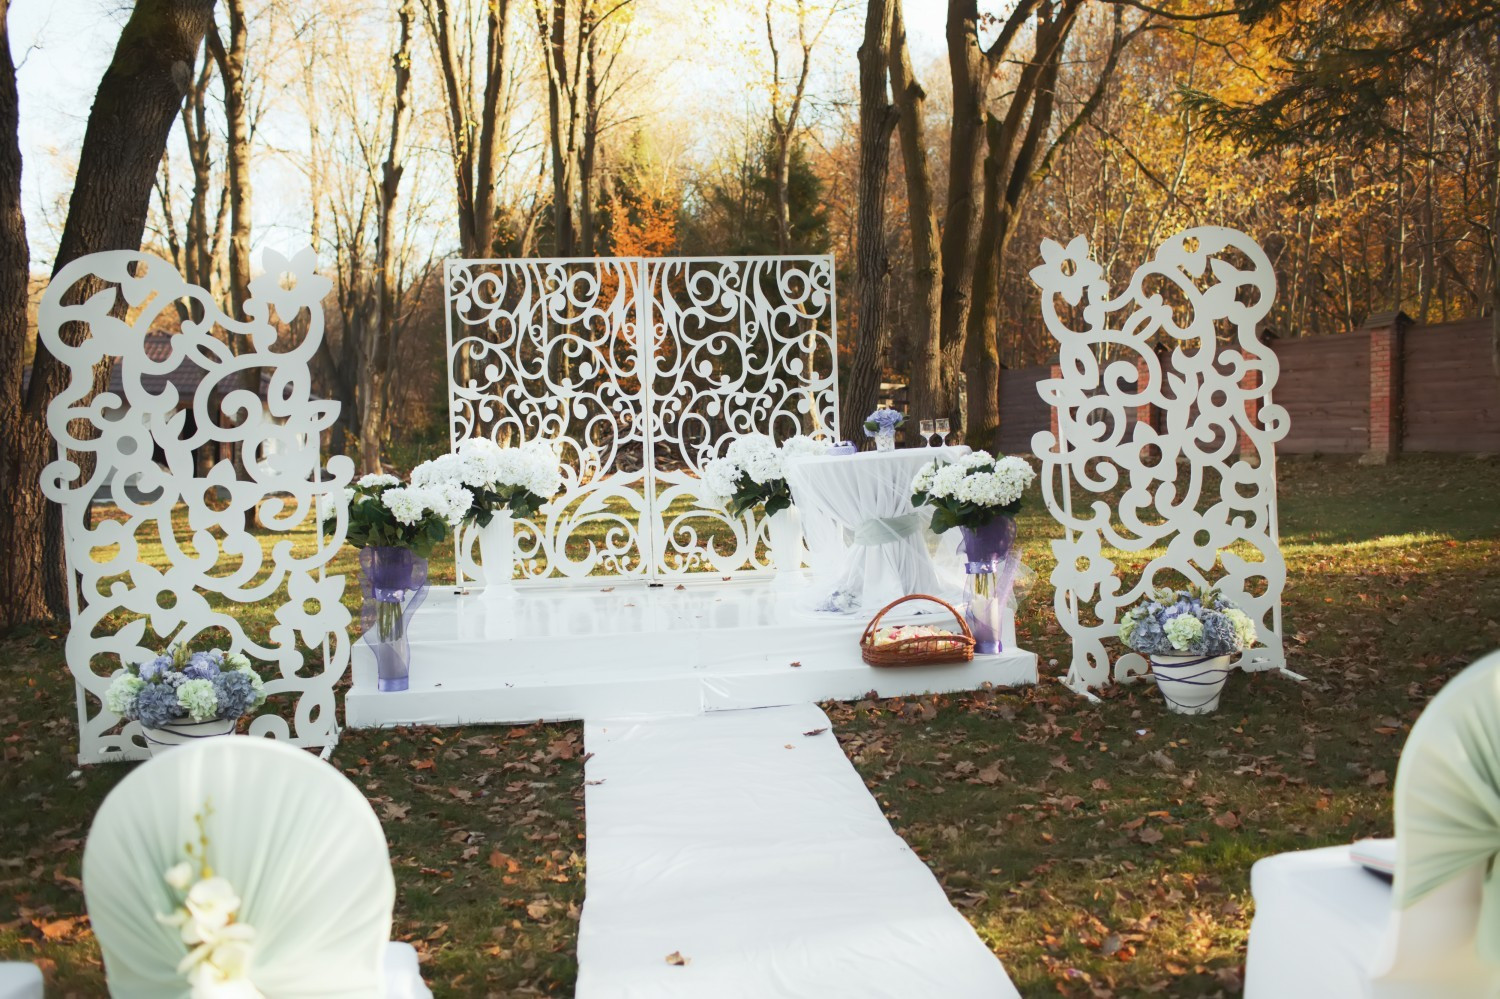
column 538, row 909
column 1150, row 836
column 498, row 860
column 1228, row 820
column 676, row 960
column 422, row 764
column 1376, row 779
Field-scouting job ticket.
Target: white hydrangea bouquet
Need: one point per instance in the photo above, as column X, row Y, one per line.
column 481, row 478
column 383, row 513
column 972, row 491
column 180, row 685
column 220, row 945
column 753, row 470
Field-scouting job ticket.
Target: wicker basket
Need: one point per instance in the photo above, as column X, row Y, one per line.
column 920, row 650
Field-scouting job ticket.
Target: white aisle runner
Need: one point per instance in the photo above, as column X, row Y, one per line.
column 750, row 850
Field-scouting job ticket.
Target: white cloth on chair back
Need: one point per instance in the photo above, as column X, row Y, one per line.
column 1324, row 927
column 296, row 840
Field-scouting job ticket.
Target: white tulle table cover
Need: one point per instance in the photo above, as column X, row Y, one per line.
column 868, row 545
column 297, row 841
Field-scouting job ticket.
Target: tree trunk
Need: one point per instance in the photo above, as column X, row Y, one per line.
column 381, row 349
column 877, row 119
column 231, row 62
column 927, row 261
column 20, row 569
column 589, row 26
column 138, row 100
column 561, row 117
column 971, row 73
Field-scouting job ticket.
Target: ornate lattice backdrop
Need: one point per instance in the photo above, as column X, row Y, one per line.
column 1180, row 341
column 154, row 453
column 642, row 370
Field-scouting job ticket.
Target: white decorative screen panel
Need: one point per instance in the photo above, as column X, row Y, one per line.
column 1181, row 339
column 166, row 556
column 642, row 370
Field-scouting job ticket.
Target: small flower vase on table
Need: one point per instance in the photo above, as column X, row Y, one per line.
column 497, row 554
column 394, row 581
column 990, row 561
column 881, row 426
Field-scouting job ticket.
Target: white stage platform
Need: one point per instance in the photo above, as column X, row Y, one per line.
column 627, row 650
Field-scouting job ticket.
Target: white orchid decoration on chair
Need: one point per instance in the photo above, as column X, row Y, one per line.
column 217, row 965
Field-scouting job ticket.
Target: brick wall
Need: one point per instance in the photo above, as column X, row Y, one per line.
column 1378, row 391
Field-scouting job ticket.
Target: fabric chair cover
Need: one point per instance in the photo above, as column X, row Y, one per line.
column 1326, row 927
column 298, row 842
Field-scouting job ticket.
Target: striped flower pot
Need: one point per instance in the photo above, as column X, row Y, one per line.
column 1190, row 684
column 181, row 733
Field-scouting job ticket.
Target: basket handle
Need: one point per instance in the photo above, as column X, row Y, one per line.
column 875, row 621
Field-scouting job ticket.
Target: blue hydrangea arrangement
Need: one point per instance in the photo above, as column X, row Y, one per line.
column 1191, row 622
column 180, row 685
column 883, row 421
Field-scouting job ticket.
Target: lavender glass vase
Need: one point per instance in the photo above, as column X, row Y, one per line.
column 394, row 581
column 990, row 560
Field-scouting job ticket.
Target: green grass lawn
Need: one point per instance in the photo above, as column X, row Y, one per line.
column 1100, row 849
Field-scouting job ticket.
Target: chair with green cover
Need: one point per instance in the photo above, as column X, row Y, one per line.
column 1326, row 927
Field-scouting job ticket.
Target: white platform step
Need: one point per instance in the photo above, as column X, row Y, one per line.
column 745, row 844
column 627, row 650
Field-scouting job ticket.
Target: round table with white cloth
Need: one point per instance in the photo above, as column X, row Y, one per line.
column 868, row 544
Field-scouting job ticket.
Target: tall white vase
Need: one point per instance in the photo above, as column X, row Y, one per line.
column 497, row 555
column 784, row 532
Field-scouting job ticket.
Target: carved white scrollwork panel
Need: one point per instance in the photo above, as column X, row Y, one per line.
column 739, row 345
column 159, row 462
column 641, row 370
column 1196, row 497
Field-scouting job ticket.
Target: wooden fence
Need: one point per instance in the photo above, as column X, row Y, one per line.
column 1446, row 396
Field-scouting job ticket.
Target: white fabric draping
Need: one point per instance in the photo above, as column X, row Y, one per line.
column 1325, row 927
column 868, row 545
column 291, row 834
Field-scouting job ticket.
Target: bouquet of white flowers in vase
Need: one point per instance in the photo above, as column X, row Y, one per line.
column 395, row 527
column 493, row 479
column 753, row 471
column 980, row 495
column 494, row 484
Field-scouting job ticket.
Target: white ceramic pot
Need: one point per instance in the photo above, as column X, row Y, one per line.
column 784, row 532
column 174, row 734
column 1190, row 685
column 497, row 555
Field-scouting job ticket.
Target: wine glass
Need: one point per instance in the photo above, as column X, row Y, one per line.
column 926, row 430
column 942, row 428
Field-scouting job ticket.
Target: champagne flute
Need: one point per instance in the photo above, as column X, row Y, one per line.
column 926, row 430
column 942, row 428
